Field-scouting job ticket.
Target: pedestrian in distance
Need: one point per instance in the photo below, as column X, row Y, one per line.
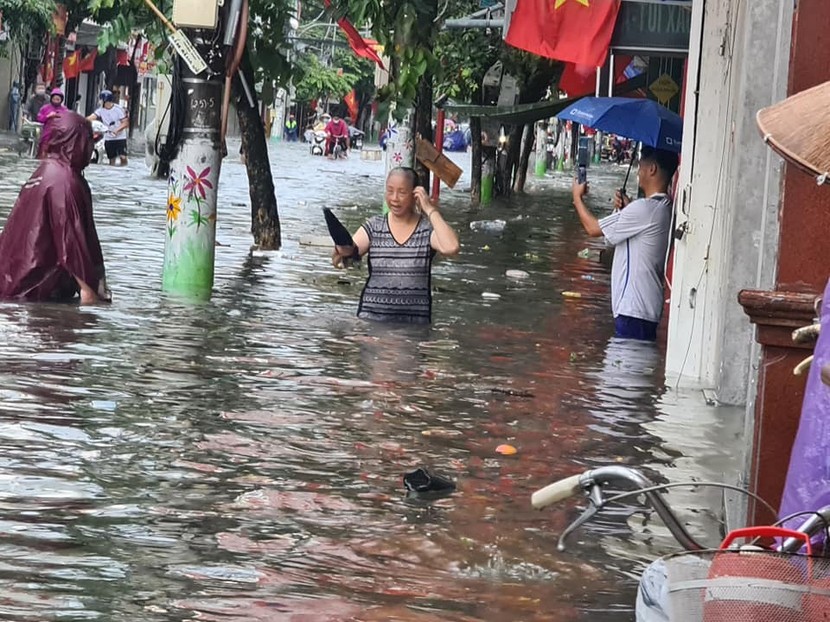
column 400, row 247
column 14, row 106
column 117, row 121
column 291, row 130
column 37, row 101
column 49, row 248
column 639, row 231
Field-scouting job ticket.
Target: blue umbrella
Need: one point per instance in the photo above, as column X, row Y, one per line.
column 643, row 120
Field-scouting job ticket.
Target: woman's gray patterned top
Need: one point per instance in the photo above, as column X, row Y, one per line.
column 398, row 288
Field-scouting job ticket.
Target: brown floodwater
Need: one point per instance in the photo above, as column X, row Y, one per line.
column 241, row 459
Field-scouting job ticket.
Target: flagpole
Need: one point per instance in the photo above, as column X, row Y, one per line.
column 611, row 64
column 599, row 81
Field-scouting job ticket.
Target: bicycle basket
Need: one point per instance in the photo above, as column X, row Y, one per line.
column 747, row 586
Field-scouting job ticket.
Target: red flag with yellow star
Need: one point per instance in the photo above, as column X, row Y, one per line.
column 70, row 65
column 577, row 31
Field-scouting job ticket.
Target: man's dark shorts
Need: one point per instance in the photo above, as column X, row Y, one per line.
column 634, row 328
column 116, row 148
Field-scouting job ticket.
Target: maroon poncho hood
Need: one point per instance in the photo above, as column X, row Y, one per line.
column 50, row 237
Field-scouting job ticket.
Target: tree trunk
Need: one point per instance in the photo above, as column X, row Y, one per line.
column 265, row 219
column 508, row 171
column 422, row 125
column 524, row 159
column 475, row 156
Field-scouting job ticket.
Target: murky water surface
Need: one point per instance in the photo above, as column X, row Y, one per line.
column 242, row 459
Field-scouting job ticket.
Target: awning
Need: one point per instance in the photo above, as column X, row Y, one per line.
column 517, row 115
column 521, row 114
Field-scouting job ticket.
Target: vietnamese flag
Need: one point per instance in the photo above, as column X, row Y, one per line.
column 87, row 63
column 359, row 45
column 579, row 80
column 351, row 103
column 70, row 66
column 576, row 31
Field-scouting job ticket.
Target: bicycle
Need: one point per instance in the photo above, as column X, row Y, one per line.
column 338, row 150
column 747, row 584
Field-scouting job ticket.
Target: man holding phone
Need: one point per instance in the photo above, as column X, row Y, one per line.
column 639, row 232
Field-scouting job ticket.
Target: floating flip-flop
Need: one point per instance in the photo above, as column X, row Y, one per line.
column 337, row 230
column 423, row 483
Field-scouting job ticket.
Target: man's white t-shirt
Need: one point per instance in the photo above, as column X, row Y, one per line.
column 640, row 234
column 112, row 118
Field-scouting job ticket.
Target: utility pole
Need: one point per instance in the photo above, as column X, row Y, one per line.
column 190, row 242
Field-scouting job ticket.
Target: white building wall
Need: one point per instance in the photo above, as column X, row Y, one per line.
column 728, row 190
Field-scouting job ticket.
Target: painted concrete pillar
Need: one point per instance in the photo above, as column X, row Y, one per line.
column 400, row 150
column 194, row 179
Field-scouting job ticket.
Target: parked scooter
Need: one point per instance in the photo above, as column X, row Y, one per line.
column 29, row 138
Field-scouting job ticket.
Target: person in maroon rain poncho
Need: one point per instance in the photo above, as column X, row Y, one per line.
column 49, row 248
column 47, row 115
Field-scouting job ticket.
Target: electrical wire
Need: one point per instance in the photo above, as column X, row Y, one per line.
column 176, row 107
column 441, row 12
column 659, row 487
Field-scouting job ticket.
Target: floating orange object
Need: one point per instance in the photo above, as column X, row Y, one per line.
column 506, row 450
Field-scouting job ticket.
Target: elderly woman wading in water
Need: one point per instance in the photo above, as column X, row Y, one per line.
column 400, row 248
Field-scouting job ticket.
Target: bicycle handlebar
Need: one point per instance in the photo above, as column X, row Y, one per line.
column 557, row 491
column 596, row 478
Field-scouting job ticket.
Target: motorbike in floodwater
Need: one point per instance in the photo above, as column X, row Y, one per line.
column 29, row 138
column 30, row 133
column 99, row 153
column 318, row 143
column 356, row 138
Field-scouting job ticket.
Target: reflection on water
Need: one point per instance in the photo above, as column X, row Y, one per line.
column 242, row 459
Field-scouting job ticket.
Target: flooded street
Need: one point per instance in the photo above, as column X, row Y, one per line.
column 242, row 459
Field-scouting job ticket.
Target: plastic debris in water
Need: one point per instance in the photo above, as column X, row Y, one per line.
column 488, row 226
column 506, row 450
column 585, row 253
column 490, row 296
column 516, row 274
column 572, row 294
column 587, row 277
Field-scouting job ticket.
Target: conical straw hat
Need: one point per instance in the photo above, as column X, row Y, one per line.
column 798, row 129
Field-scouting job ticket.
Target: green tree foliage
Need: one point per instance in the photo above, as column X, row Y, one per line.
column 27, row 16
column 465, row 54
column 320, row 82
column 267, row 30
column 406, row 29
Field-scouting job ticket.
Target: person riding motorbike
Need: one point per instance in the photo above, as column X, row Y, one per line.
column 336, row 131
